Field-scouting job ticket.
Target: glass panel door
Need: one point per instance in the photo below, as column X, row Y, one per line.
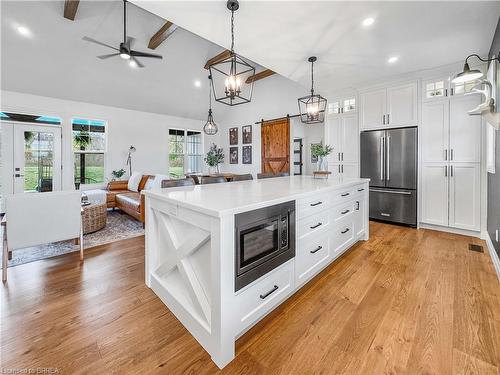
column 37, row 158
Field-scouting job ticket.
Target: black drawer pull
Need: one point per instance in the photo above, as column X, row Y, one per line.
column 315, row 204
column 345, row 194
column 361, row 189
column 316, row 250
column 317, row 225
column 345, row 231
column 264, row 296
column 344, row 212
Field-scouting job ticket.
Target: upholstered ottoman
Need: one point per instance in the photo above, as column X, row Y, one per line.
column 94, row 217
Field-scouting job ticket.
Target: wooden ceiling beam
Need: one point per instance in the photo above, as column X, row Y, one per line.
column 165, row 31
column 221, row 56
column 70, row 8
column 260, row 75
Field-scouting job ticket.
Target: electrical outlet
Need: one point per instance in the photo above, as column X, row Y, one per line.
column 496, row 235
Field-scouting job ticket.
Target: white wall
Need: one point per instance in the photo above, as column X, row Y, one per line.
column 273, row 97
column 148, row 132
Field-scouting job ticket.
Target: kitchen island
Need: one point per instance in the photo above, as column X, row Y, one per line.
column 192, row 248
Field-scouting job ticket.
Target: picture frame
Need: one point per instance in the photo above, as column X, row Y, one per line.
column 246, row 134
column 246, row 155
column 233, row 136
column 233, row 155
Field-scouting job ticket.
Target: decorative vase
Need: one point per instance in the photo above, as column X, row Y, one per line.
column 213, row 169
column 322, row 164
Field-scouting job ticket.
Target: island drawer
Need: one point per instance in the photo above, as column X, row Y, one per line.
column 311, row 205
column 313, row 253
column 342, row 210
column 312, row 224
column 256, row 300
column 343, row 195
column 341, row 235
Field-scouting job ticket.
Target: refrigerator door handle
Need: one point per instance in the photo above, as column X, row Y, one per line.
column 391, row 191
column 382, row 158
column 388, row 158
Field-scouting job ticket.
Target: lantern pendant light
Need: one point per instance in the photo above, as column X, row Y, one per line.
column 210, row 127
column 229, row 76
column 312, row 107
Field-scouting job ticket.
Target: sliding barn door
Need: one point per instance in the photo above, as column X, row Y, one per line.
column 275, row 146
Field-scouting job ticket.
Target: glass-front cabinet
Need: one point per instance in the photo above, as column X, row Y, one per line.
column 342, row 105
column 443, row 87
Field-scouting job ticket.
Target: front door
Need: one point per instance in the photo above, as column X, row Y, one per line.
column 275, row 147
column 37, row 158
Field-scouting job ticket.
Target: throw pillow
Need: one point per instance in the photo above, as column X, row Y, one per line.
column 134, row 181
column 158, row 179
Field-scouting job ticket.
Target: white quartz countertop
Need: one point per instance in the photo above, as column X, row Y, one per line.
column 234, row 197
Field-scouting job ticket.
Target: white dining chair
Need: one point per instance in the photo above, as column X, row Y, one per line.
column 34, row 219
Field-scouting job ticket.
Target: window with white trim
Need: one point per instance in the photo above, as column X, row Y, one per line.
column 185, row 152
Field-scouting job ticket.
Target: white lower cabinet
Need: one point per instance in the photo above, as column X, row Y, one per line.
column 451, row 195
column 360, row 208
column 465, row 196
column 342, row 235
column 312, row 254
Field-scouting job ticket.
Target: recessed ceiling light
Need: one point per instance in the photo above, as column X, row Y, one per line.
column 392, row 59
column 197, row 83
column 24, row 31
column 368, row 21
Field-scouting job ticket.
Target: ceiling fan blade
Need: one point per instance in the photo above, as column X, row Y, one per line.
column 144, row 54
column 102, row 57
column 86, row 38
column 137, row 62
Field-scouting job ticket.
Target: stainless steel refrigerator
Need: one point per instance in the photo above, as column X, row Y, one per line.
column 389, row 160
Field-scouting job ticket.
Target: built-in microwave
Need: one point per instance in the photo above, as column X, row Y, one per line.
column 264, row 239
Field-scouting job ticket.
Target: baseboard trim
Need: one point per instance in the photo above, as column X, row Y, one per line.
column 464, row 232
column 494, row 256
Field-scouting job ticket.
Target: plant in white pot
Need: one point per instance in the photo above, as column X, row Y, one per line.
column 321, row 152
column 215, row 156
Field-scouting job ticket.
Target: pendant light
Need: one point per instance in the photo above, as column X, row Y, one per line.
column 210, row 127
column 312, row 107
column 229, row 76
column 468, row 74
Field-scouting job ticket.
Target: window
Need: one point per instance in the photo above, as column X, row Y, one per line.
column 186, row 152
column 89, row 147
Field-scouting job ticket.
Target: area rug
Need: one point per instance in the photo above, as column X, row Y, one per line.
column 119, row 226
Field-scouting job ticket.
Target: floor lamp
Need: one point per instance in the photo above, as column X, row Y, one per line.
column 131, row 150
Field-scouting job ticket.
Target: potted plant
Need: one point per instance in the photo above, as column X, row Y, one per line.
column 117, row 174
column 321, row 152
column 214, row 157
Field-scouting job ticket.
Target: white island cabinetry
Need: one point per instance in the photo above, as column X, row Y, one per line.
column 190, row 249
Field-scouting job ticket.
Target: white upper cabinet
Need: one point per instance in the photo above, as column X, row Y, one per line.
column 437, row 88
column 465, row 196
column 390, row 107
column 465, row 130
column 350, row 138
column 373, row 109
column 402, row 105
column 434, row 131
column 333, row 136
column 342, row 105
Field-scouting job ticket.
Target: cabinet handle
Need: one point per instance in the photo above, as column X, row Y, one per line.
column 342, row 155
column 339, row 168
column 383, row 119
column 445, row 171
column 316, row 250
column 344, row 212
column 357, row 205
column 451, row 170
column 445, row 92
column 339, row 156
column 316, row 226
column 342, row 168
column 315, row 204
column 451, row 154
column 388, row 122
column 264, row 296
column 345, row 231
column 345, row 194
column 445, row 154
column 361, row 189
column 452, row 92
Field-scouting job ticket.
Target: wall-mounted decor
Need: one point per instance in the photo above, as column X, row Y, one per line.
column 246, row 134
column 247, row 155
column 233, row 136
column 233, row 155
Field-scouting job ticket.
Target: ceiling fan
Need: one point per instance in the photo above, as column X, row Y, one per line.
column 124, row 51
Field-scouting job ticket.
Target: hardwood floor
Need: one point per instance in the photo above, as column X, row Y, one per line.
column 405, row 302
